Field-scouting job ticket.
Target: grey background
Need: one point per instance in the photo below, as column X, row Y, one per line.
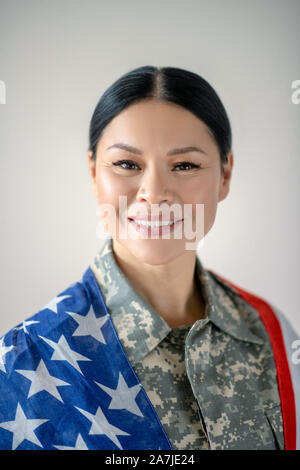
column 57, row 58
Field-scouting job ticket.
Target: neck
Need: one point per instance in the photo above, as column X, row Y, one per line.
column 180, row 301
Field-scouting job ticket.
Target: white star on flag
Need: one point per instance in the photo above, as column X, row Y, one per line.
column 23, row 428
column 42, row 380
column 100, row 425
column 63, row 352
column 79, row 445
column 52, row 305
column 3, row 351
column 123, row 397
column 89, row 325
column 26, row 323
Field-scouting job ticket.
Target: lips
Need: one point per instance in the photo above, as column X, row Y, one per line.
column 148, row 218
column 152, row 230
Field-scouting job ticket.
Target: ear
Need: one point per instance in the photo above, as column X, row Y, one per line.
column 92, row 167
column 226, row 177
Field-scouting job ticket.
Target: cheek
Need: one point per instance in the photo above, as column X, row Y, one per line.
column 203, row 191
column 110, row 187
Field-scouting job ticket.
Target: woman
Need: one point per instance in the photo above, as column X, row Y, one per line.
column 151, row 350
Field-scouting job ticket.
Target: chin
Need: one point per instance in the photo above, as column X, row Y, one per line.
column 156, row 252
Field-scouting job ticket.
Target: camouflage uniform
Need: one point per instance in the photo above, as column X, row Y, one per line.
column 212, row 384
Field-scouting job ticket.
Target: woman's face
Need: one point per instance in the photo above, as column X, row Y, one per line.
column 150, row 178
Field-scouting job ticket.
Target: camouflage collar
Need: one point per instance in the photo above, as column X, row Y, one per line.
column 141, row 329
column 226, row 309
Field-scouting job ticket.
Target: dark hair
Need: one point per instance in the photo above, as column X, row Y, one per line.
column 175, row 85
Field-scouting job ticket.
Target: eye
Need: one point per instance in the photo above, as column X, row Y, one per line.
column 183, row 164
column 123, row 163
column 129, row 165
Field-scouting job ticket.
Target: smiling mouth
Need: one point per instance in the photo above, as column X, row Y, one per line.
column 147, row 223
column 154, row 228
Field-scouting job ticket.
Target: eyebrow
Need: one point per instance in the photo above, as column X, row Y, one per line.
column 177, row 151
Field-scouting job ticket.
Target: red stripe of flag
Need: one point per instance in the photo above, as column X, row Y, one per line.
column 285, row 384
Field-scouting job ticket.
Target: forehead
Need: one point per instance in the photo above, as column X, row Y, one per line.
column 150, row 121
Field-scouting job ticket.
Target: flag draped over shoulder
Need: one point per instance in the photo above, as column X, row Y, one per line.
column 66, row 383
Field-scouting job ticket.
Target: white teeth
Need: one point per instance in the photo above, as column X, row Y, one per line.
column 153, row 224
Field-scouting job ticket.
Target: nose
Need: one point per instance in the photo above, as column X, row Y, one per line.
column 154, row 187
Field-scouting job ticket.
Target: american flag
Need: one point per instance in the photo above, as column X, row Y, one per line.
column 66, row 382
